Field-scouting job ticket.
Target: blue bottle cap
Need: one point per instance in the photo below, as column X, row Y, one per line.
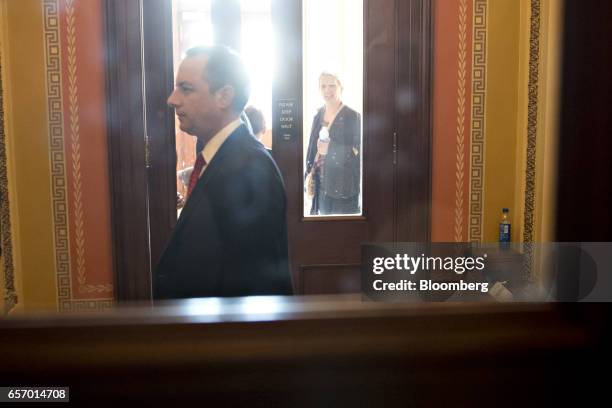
column 505, row 210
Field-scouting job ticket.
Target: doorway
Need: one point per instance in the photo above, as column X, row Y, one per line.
column 325, row 251
column 394, row 150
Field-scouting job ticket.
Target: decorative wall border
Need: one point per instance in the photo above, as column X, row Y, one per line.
column 53, row 69
column 477, row 145
column 6, row 243
column 75, row 143
column 532, row 128
column 93, row 305
column 75, row 150
column 461, row 102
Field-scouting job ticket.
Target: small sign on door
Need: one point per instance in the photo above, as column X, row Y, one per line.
column 287, row 119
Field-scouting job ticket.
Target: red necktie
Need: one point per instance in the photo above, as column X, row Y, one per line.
column 195, row 174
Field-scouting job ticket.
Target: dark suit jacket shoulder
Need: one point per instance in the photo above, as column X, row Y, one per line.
column 231, row 237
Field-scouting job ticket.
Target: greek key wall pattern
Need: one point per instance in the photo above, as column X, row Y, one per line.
column 67, row 207
column 477, row 145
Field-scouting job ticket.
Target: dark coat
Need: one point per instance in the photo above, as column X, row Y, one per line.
column 231, row 237
column 341, row 171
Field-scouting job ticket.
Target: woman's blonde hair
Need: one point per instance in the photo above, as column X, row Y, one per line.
column 333, row 75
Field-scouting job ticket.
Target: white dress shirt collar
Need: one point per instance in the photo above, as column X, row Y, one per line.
column 213, row 145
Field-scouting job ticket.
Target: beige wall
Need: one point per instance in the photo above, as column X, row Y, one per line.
column 552, row 15
column 505, row 105
column 28, row 165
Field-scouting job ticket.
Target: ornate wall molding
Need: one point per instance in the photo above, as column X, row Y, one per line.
column 75, row 143
column 532, row 120
column 59, row 182
column 461, row 107
column 477, row 144
column 75, row 149
column 532, row 128
column 6, row 243
column 51, row 32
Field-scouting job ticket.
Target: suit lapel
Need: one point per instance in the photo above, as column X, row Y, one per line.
column 210, row 173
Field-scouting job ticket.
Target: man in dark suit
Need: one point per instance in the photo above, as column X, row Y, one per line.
column 231, row 236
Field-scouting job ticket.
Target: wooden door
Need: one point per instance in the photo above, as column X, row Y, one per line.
column 325, row 251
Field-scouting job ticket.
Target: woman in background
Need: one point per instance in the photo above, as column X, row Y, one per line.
column 333, row 175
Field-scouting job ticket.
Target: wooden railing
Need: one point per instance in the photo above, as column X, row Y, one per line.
column 273, row 351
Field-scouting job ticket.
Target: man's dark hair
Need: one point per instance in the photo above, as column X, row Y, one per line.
column 224, row 67
column 258, row 122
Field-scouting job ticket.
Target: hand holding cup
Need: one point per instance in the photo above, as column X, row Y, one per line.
column 323, row 142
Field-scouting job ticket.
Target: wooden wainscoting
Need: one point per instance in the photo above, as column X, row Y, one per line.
column 326, row 279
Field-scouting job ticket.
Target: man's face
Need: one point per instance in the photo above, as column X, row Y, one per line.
column 199, row 111
column 330, row 90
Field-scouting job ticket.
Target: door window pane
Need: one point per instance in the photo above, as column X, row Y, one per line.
column 257, row 52
column 333, row 103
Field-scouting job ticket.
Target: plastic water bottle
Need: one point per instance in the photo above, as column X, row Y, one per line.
column 505, row 228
